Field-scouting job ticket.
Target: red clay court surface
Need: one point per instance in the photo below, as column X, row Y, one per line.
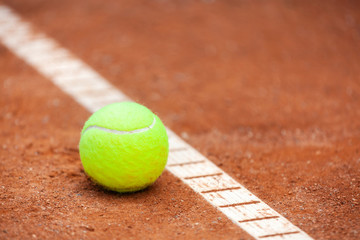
column 267, row 90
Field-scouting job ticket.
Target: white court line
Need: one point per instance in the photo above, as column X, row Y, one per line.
column 92, row 91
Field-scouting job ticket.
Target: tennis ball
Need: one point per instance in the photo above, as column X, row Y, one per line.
column 124, row 147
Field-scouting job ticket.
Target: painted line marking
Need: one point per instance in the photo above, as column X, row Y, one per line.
column 183, row 156
column 243, row 213
column 221, row 189
column 269, row 227
column 202, row 185
column 258, row 219
column 185, row 163
column 230, row 197
column 80, row 81
column 279, row 234
column 203, row 176
column 238, row 204
column 186, row 172
column 177, row 149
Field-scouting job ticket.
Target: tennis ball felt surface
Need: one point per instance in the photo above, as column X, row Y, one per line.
column 124, row 147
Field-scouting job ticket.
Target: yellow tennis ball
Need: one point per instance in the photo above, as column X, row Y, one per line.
column 124, row 147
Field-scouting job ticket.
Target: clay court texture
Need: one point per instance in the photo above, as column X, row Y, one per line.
column 268, row 91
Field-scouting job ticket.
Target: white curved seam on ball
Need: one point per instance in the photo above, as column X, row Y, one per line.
column 121, row 132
